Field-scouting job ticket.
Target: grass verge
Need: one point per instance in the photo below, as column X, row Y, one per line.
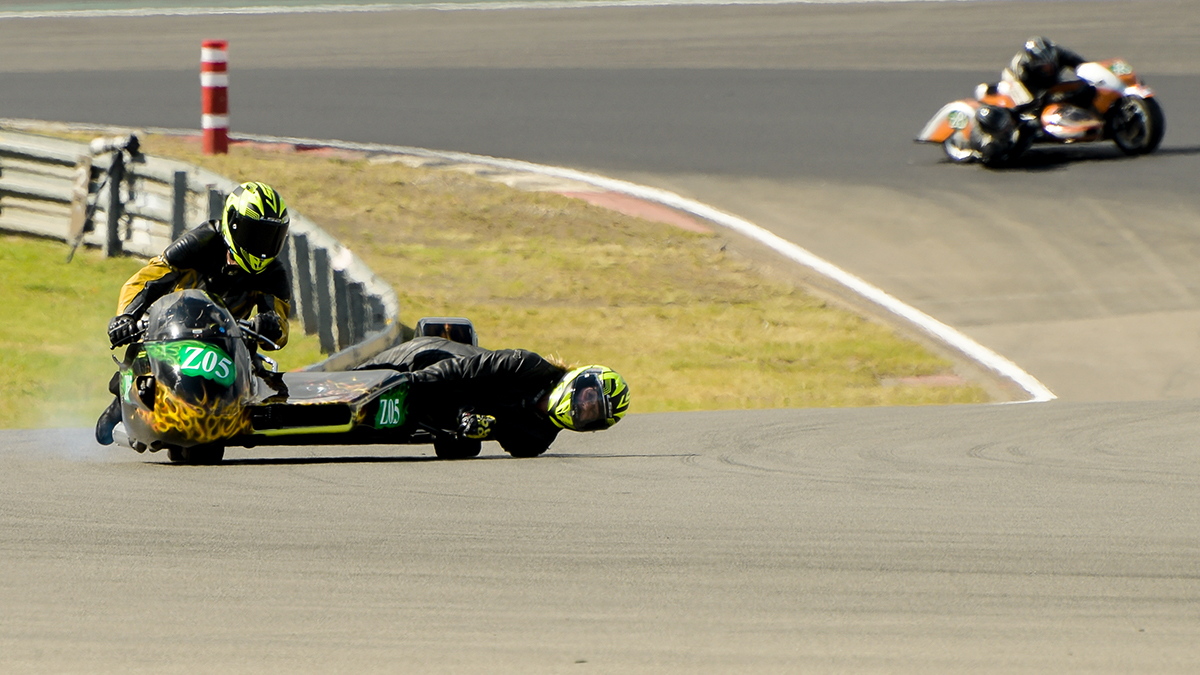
column 54, row 356
column 691, row 326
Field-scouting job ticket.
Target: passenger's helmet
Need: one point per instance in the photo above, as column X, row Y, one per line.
column 589, row 399
column 254, row 225
column 1039, row 63
column 994, row 119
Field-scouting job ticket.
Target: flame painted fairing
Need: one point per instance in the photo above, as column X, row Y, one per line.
column 191, row 382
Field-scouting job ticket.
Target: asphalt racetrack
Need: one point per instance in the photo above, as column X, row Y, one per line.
column 1033, row 538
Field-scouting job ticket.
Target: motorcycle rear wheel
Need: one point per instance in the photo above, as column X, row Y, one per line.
column 1138, row 125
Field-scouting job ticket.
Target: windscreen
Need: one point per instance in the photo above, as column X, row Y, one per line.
column 189, row 314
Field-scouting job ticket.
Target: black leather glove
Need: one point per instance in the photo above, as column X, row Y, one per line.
column 268, row 325
column 122, row 330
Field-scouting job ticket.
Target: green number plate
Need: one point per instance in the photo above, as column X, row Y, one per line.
column 197, row 359
column 392, row 409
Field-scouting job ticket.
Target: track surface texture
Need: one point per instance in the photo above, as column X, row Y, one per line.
column 1053, row 538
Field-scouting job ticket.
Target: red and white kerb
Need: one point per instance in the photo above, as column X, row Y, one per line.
column 214, row 98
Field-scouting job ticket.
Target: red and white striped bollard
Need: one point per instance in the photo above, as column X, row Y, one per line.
column 214, row 98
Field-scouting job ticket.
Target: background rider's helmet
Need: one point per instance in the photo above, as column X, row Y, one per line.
column 254, row 225
column 589, row 399
column 1039, row 63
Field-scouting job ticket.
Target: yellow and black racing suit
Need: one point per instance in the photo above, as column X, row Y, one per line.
column 198, row 260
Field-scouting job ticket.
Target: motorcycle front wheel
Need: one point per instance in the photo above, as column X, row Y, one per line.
column 1138, row 125
column 197, row 454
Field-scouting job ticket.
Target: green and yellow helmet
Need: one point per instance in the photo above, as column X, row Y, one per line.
column 589, row 399
column 254, row 225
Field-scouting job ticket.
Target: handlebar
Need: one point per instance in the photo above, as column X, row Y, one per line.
column 249, row 330
column 246, row 326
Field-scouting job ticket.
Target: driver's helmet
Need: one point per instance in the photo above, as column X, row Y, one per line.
column 1039, row 63
column 254, row 225
column 589, row 399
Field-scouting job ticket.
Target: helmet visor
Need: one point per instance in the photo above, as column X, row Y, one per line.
column 258, row 237
column 589, row 405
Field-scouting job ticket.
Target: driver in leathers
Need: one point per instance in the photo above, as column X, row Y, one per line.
column 512, row 396
column 233, row 259
column 1042, row 64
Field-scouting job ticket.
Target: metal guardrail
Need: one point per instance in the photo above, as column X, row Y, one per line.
column 335, row 296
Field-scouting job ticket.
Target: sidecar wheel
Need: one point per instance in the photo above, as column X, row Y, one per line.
column 958, row 149
column 454, row 448
column 1138, row 125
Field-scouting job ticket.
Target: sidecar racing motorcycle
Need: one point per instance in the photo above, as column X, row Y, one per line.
column 1003, row 120
column 194, row 384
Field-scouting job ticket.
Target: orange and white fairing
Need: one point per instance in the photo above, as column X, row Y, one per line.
column 1069, row 123
column 956, row 117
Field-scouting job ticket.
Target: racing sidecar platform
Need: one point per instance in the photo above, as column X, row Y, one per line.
column 193, row 385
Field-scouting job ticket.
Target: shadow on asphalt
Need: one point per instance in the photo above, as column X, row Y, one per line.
column 1059, row 157
column 375, row 459
column 1184, row 151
